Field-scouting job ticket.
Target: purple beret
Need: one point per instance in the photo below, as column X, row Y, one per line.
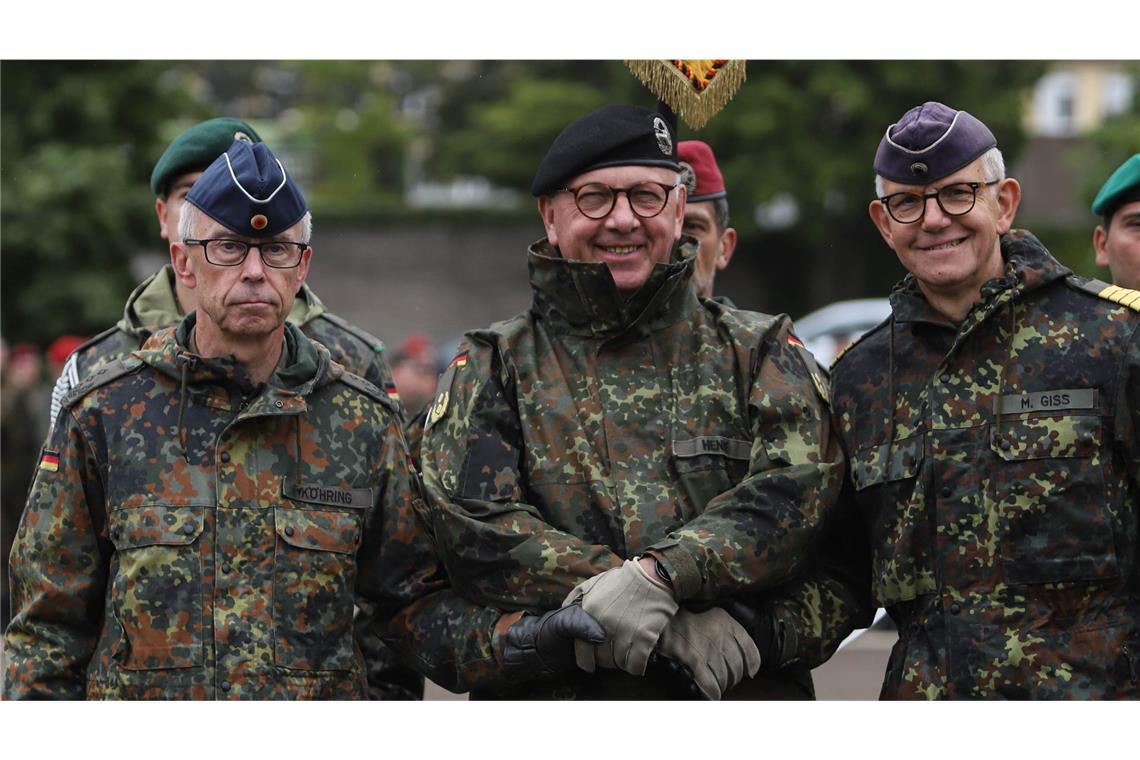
column 247, row 190
column 929, row 142
column 614, row 135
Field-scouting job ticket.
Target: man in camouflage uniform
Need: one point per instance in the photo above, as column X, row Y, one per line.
column 992, row 425
column 161, row 301
column 207, row 512
column 625, row 446
column 706, row 213
column 1117, row 241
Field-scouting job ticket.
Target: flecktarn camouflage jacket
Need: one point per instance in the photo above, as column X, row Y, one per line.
column 593, row 428
column 996, row 466
column 190, row 536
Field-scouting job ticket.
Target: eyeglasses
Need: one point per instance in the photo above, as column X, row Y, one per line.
column 279, row 254
column 954, row 200
column 596, row 199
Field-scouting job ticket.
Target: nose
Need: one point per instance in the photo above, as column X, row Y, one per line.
column 621, row 217
column 253, row 268
column 933, row 217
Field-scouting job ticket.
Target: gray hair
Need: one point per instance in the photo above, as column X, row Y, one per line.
column 191, row 216
column 993, row 170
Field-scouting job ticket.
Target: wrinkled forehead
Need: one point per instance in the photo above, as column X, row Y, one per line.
column 971, row 172
column 624, row 176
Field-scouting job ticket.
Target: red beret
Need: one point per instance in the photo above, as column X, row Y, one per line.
column 699, row 171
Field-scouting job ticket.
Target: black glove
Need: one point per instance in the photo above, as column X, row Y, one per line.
column 544, row 646
column 776, row 642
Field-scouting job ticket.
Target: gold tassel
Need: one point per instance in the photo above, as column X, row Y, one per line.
column 697, row 95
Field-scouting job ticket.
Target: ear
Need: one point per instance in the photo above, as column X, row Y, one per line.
column 303, row 267
column 546, row 211
column 1100, row 237
column 180, row 263
column 882, row 221
column 160, row 211
column 679, row 215
column 1008, row 199
column 727, row 246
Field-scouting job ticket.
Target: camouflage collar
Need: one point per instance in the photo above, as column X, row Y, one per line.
column 305, row 365
column 152, row 305
column 306, row 307
column 581, row 298
column 1028, row 266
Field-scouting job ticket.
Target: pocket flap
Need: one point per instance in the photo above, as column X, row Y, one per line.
column 883, row 464
column 1069, row 436
column 149, row 526
column 323, row 530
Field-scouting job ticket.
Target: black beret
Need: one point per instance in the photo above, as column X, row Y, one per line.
column 247, row 190
column 929, row 142
column 196, row 148
column 614, row 135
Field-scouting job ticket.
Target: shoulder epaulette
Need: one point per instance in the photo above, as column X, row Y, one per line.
column 375, row 343
column 1101, row 289
column 857, row 341
column 105, row 374
column 368, row 389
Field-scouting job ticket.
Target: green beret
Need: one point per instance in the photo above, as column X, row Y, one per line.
column 1122, row 187
column 197, row 147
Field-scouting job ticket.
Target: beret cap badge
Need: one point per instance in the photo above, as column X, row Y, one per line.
column 688, row 177
column 664, row 139
column 259, row 221
column 919, row 169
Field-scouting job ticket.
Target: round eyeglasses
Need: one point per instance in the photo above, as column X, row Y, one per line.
column 278, row 254
column 596, row 199
column 954, row 200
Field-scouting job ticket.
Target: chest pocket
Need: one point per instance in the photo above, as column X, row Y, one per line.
column 708, row 466
column 889, row 491
column 156, row 592
column 314, row 576
column 1049, row 497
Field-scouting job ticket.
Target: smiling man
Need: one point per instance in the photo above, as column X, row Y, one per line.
column 992, row 426
column 628, row 447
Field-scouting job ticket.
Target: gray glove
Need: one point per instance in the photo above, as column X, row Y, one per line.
column 714, row 648
column 543, row 646
column 633, row 610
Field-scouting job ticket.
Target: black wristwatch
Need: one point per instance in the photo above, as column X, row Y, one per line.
column 662, row 573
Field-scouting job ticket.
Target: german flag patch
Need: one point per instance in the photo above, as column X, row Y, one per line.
column 393, row 394
column 794, row 341
column 49, row 461
column 458, row 361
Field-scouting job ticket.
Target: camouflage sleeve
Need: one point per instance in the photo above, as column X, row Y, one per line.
column 806, row 620
column 759, row 533
column 451, row 641
column 1128, row 409
column 59, row 572
column 499, row 550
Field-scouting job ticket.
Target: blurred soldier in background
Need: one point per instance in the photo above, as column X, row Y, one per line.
column 416, row 368
column 1117, row 241
column 161, row 300
column 992, row 426
column 206, row 511
column 629, row 448
column 706, row 213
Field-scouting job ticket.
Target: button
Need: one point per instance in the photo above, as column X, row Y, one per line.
column 225, row 685
column 288, row 531
column 226, row 569
column 279, row 403
column 225, row 456
column 945, row 492
column 945, row 379
column 1005, row 444
column 955, row 608
column 189, row 528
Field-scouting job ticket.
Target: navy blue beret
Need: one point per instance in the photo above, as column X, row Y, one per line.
column 929, row 142
column 614, row 135
column 247, row 190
